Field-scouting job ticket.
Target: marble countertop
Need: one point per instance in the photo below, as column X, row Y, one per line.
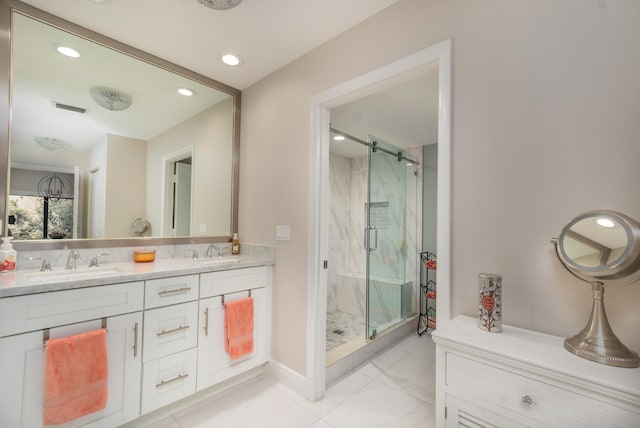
column 31, row 281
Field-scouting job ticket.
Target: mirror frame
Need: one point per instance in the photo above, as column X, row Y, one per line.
column 6, row 9
column 625, row 265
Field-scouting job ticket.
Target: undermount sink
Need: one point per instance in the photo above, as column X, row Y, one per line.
column 214, row 261
column 72, row 274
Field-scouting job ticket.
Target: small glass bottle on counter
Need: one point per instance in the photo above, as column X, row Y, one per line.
column 235, row 244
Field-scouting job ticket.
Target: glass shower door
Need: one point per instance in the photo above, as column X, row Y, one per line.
column 389, row 291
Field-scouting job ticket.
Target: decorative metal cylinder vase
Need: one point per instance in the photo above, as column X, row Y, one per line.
column 490, row 304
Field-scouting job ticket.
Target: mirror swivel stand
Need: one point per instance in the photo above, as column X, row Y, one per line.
column 597, row 342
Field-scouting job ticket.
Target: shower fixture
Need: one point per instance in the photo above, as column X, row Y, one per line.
column 220, row 4
column 111, row 99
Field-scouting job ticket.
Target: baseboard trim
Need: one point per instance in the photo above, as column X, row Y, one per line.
column 286, row 376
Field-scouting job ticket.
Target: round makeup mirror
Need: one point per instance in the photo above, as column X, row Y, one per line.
column 603, row 248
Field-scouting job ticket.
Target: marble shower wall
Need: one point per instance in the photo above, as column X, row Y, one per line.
column 348, row 194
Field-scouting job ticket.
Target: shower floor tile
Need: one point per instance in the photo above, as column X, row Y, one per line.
column 342, row 328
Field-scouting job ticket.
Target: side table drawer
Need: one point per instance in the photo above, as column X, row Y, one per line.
column 531, row 398
column 169, row 330
column 169, row 291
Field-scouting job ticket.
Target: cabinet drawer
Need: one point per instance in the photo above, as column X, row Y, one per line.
column 169, row 330
column 534, row 399
column 169, row 291
column 168, row 379
column 39, row 311
column 230, row 281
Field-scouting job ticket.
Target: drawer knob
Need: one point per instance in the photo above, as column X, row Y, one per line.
column 526, row 401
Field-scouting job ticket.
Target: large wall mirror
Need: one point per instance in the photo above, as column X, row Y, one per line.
column 111, row 147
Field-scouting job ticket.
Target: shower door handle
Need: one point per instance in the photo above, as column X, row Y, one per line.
column 368, row 232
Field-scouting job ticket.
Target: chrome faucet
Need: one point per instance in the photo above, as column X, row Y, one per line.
column 94, row 261
column 194, row 254
column 44, row 266
column 212, row 247
column 72, row 259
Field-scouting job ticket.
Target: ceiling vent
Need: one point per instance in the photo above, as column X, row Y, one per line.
column 71, row 108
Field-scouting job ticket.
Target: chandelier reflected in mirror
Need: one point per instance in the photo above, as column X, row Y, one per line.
column 55, row 187
column 220, row 4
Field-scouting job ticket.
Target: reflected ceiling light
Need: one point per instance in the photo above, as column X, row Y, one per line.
column 67, row 51
column 111, row 99
column 186, row 92
column 50, row 143
column 100, row 1
column 605, row 222
column 220, row 4
column 339, row 138
column 230, row 59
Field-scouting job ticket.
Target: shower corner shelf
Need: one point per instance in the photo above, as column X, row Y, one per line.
column 427, row 317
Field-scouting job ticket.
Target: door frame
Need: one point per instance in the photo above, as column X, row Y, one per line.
column 167, row 174
column 319, row 195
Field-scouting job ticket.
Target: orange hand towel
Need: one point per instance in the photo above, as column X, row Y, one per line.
column 238, row 327
column 76, row 372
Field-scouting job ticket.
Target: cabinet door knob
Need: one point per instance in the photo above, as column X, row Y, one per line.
column 526, row 401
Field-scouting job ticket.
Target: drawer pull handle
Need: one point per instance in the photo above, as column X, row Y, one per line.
column 135, row 340
column 206, row 322
column 175, row 379
column 526, row 401
column 173, row 330
column 182, row 290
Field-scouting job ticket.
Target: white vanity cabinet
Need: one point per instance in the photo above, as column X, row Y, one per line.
column 27, row 320
column 524, row 378
column 214, row 363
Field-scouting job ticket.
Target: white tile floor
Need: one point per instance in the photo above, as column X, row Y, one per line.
column 395, row 390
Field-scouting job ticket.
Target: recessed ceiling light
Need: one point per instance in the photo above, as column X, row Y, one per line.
column 67, row 51
column 186, row 92
column 100, row 1
column 230, row 59
column 339, row 137
column 605, row 222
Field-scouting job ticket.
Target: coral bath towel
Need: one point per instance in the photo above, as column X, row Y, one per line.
column 76, row 372
column 238, row 327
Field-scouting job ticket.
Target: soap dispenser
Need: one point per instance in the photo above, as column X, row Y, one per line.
column 8, row 255
column 235, row 244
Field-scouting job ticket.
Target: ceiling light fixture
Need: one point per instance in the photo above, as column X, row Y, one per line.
column 230, row 59
column 339, row 138
column 111, row 99
column 220, row 4
column 67, row 51
column 186, row 92
column 50, row 143
column 54, row 187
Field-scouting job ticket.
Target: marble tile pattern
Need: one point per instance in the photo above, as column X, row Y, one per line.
column 394, row 389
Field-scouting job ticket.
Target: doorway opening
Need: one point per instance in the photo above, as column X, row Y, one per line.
column 323, row 106
column 177, row 194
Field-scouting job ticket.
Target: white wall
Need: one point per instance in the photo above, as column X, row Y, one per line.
column 125, row 184
column 545, row 126
column 210, row 133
